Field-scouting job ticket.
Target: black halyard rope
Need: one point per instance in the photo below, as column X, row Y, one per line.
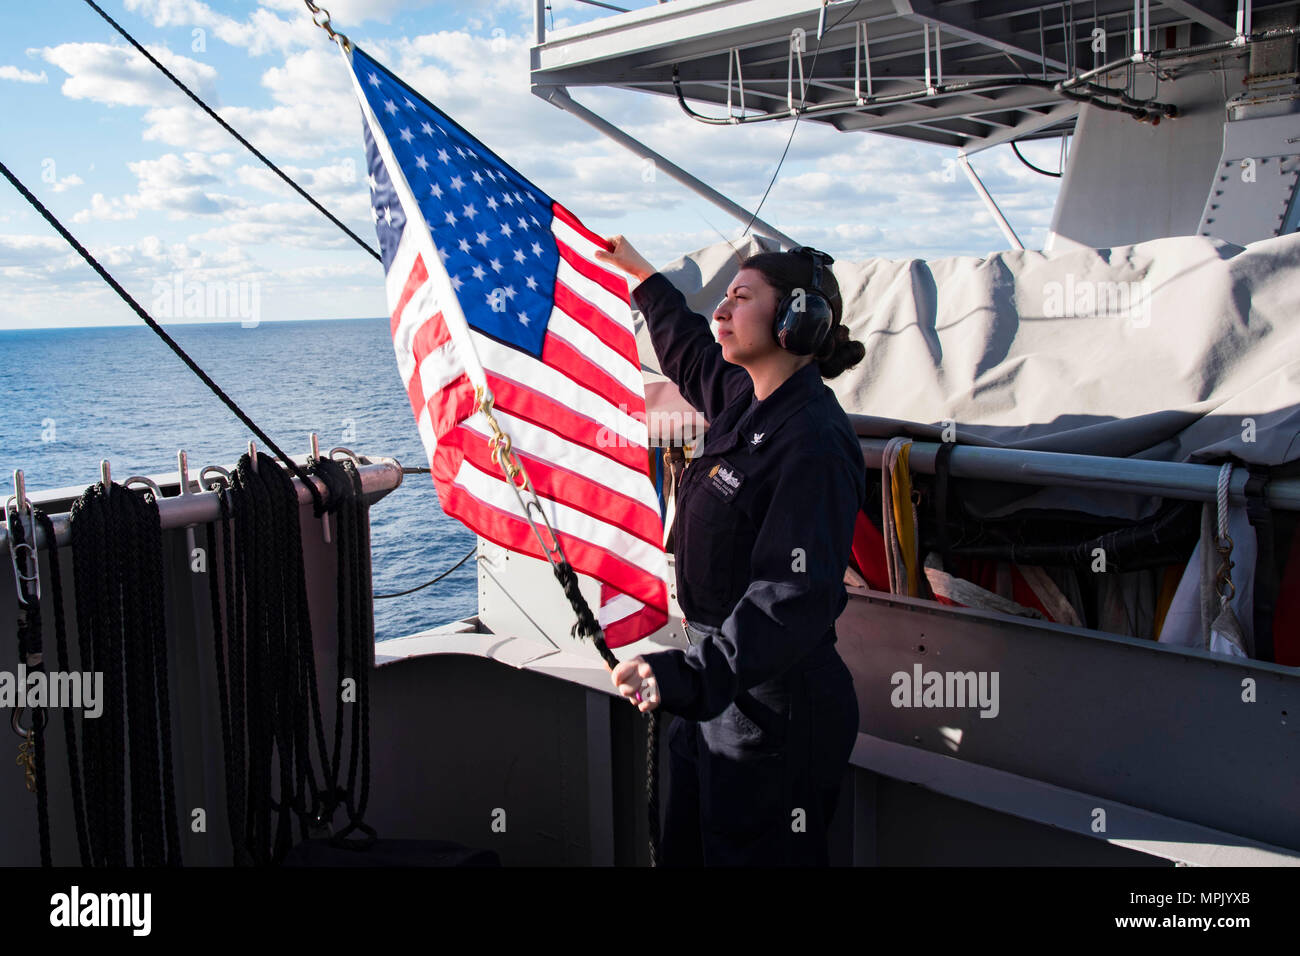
column 652, row 783
column 64, row 665
column 266, row 667
column 222, row 648
column 588, row 627
column 356, row 642
column 137, row 695
column 158, row 654
column 118, row 577
column 231, row 130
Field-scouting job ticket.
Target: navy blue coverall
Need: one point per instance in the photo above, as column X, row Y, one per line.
column 766, row 710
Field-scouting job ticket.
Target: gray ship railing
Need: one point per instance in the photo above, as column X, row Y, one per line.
column 1168, row 479
column 190, row 508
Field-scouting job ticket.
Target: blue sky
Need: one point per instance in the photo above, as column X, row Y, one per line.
column 163, row 195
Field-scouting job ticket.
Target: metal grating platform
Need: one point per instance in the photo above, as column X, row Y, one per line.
column 962, row 73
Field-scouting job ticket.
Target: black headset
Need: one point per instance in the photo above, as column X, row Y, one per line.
column 803, row 330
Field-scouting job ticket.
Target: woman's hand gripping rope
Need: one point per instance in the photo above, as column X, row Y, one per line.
column 635, row 680
column 586, row 627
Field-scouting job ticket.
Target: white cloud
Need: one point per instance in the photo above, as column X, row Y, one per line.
column 346, row 13
column 316, row 113
column 105, row 209
column 318, row 77
column 287, row 224
column 301, row 131
column 261, row 33
column 119, row 76
column 179, row 185
column 22, row 76
column 343, row 179
column 20, row 253
column 67, row 182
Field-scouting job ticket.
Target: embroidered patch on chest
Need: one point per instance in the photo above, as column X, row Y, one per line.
column 724, row 480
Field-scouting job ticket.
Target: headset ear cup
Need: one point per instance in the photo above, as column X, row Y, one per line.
column 819, row 318
column 803, row 331
column 783, row 321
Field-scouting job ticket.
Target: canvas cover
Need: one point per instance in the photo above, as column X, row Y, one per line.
column 1177, row 349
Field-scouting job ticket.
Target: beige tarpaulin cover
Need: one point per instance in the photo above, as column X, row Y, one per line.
column 1178, row 349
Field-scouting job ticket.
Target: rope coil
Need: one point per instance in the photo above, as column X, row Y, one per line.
column 117, row 570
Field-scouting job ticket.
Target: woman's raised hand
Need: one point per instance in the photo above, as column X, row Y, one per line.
column 626, row 258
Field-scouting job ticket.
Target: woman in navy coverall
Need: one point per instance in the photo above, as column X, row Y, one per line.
column 766, row 711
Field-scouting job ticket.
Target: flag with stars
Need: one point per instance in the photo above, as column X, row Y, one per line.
column 493, row 283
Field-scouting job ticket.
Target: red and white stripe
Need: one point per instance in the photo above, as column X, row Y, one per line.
column 576, row 419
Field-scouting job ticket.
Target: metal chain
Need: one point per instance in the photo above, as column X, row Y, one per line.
column 321, row 17
column 503, row 452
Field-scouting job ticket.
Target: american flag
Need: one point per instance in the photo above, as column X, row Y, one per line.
column 490, row 281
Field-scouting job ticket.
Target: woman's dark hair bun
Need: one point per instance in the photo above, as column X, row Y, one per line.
column 839, row 352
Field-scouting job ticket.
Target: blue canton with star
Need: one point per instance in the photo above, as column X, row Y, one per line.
column 491, row 226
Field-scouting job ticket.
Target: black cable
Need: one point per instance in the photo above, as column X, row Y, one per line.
column 434, row 581
column 258, row 545
column 219, row 644
column 297, row 694
column 231, row 130
column 1044, row 172
column 236, row 611
column 257, row 795
column 812, row 70
column 300, row 651
column 109, row 650
column 61, row 650
column 90, row 732
column 136, row 670
column 193, row 366
column 158, row 614
column 267, row 673
column 357, row 630
column 117, row 565
column 278, row 701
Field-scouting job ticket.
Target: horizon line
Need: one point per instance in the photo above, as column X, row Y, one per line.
column 175, row 323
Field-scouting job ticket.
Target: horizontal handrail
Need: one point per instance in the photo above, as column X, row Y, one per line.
column 1134, row 476
column 378, row 478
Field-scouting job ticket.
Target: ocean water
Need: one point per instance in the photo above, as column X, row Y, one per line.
column 69, row 397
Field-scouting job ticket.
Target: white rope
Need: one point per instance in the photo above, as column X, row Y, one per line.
column 1225, row 476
